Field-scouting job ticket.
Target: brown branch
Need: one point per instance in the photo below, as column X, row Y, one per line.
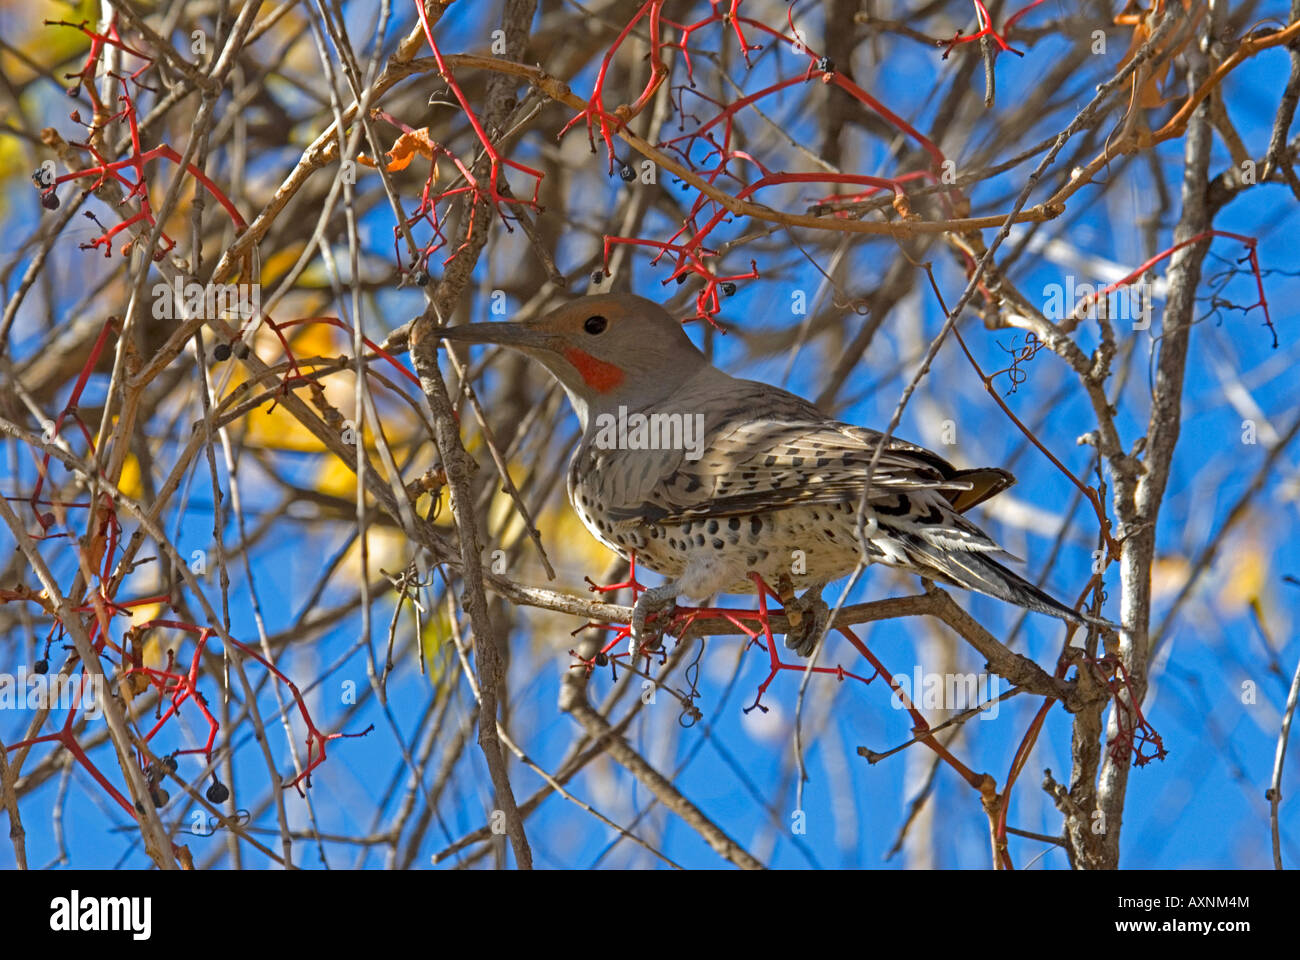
column 17, row 835
column 1274, row 794
column 1137, row 504
column 1014, row 667
column 472, row 237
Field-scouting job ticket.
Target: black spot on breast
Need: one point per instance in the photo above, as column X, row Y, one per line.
column 734, row 523
column 713, row 526
column 755, row 525
column 692, row 485
column 718, row 544
column 796, row 462
column 699, row 539
column 830, row 534
column 769, row 461
column 686, row 528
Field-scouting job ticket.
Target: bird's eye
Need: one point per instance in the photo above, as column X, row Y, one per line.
column 595, row 325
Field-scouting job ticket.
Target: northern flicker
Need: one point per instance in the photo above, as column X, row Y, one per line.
column 708, row 478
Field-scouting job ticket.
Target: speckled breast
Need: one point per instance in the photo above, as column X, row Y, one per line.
column 810, row 544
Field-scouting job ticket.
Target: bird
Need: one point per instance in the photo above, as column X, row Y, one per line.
column 708, row 479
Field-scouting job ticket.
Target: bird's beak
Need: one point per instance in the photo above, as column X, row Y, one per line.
column 506, row 334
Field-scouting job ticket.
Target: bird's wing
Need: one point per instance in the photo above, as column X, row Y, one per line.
column 769, row 450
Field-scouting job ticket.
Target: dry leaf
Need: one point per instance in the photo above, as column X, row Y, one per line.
column 404, row 150
column 1143, row 23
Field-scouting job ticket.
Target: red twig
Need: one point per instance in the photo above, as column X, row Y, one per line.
column 986, row 30
column 1251, row 244
column 493, row 194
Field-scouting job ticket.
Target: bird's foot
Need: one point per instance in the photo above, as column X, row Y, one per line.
column 631, row 583
column 809, row 616
column 650, row 616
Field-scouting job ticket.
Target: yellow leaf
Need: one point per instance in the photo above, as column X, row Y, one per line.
column 144, row 614
column 1247, row 572
column 279, row 430
column 155, row 651
column 1168, row 574
column 129, row 482
column 275, row 265
column 386, row 547
column 435, row 640
column 336, row 479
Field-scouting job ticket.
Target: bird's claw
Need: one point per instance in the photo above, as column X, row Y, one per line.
column 809, row 616
column 657, row 602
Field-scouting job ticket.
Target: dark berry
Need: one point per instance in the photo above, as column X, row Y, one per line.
column 597, row 276
column 41, row 666
column 74, row 91
column 170, row 763
column 47, row 520
column 218, row 792
column 241, row 349
column 602, row 659
column 729, row 288
column 681, row 278
column 160, row 796
column 626, row 172
column 826, row 65
column 50, row 201
column 421, row 278
column 222, row 351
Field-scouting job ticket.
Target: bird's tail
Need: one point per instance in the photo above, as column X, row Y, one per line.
column 976, row 570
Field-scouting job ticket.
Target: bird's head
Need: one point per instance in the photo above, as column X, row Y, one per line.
column 607, row 351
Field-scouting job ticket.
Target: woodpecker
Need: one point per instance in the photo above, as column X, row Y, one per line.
column 707, row 478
